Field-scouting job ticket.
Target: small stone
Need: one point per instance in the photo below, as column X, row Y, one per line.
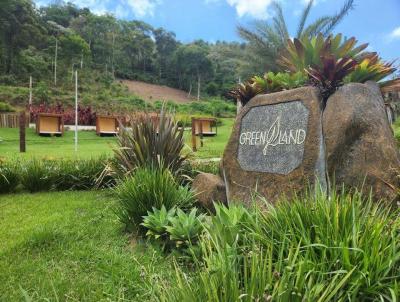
column 209, row 188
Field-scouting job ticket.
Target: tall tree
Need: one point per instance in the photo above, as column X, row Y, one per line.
column 20, row 27
column 266, row 39
column 166, row 44
column 195, row 63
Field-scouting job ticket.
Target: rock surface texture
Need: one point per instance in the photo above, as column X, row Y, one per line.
column 360, row 148
column 209, row 188
column 276, row 147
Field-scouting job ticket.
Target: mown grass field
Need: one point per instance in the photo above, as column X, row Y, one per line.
column 70, row 246
column 91, row 145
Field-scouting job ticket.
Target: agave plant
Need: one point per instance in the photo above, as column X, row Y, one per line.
column 184, row 228
column 156, row 222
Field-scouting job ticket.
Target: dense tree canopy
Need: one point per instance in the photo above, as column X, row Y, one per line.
column 49, row 42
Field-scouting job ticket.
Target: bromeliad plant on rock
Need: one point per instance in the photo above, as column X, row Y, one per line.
column 324, row 62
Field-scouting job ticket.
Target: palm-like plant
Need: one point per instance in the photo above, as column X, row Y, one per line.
column 265, row 40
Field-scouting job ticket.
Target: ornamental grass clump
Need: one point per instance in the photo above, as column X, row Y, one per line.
column 38, row 175
column 80, row 174
column 149, row 141
column 338, row 248
column 9, row 177
column 146, row 189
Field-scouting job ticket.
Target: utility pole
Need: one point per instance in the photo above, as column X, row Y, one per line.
column 30, row 98
column 55, row 64
column 30, row 91
column 76, row 110
column 22, row 137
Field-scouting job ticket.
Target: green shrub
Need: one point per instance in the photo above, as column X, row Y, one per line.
column 317, row 248
column 149, row 188
column 42, row 92
column 5, row 107
column 156, row 222
column 38, row 175
column 8, row 79
column 185, row 229
column 195, row 167
column 79, row 174
column 9, row 177
column 184, row 232
column 229, row 224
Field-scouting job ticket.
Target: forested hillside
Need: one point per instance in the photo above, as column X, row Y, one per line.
column 49, row 43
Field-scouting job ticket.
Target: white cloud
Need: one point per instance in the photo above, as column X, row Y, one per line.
column 142, row 8
column 395, row 34
column 121, row 8
column 254, row 8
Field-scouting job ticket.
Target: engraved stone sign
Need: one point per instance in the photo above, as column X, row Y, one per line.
column 276, row 147
column 272, row 137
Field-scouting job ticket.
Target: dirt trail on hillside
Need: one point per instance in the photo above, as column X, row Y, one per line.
column 152, row 93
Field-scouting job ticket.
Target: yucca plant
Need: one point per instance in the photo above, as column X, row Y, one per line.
column 146, row 189
column 149, row 141
column 156, row 222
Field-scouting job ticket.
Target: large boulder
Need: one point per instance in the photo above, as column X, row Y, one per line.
column 209, row 188
column 276, row 146
column 361, row 151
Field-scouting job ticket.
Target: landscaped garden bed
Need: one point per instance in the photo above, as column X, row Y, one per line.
column 276, row 221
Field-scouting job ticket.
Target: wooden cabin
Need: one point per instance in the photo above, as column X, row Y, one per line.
column 391, row 95
column 106, row 125
column 50, row 124
column 204, row 126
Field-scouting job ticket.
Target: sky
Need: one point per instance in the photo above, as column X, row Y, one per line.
column 376, row 22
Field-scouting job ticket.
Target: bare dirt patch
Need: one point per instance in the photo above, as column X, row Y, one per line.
column 152, row 92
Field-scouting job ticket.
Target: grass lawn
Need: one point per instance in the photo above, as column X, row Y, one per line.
column 69, row 246
column 91, row 145
column 213, row 146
